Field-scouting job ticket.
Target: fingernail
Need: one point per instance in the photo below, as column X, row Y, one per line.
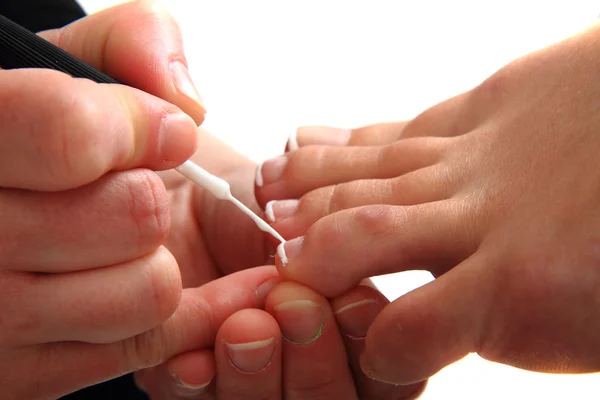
column 173, row 144
column 258, row 179
column 277, row 210
column 301, row 321
column 369, row 369
column 264, row 289
column 292, row 143
column 324, row 135
column 253, row 356
column 183, row 82
column 289, row 249
column 185, row 389
column 270, row 171
column 355, row 318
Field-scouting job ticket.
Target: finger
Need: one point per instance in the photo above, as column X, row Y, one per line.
column 69, row 366
column 138, row 43
column 58, row 133
column 355, row 311
column 185, row 376
column 371, row 135
column 100, row 305
column 429, row 328
column 294, row 174
column 315, row 364
column 291, row 218
column 248, row 355
column 453, row 117
column 118, row 218
column 343, row 248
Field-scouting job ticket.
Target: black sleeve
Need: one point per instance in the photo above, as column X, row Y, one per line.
column 39, row 15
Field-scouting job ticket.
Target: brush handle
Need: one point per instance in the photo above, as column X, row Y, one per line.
column 21, row 48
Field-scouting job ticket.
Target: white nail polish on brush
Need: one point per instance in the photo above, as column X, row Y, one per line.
column 282, row 255
column 221, row 190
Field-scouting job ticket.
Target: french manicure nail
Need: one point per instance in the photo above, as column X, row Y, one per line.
column 172, row 130
column 323, row 135
column 355, row 318
column 289, row 249
column 258, row 179
column 270, row 171
column 301, row 321
column 183, row 82
column 277, row 210
column 251, row 357
column 292, row 143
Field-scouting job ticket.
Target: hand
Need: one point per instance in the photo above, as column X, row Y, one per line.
column 82, row 271
column 495, row 192
column 210, row 237
column 50, row 370
column 143, row 48
column 294, row 350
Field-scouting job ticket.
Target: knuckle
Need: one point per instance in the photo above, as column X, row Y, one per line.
column 493, row 89
column 328, row 232
column 390, row 154
column 73, row 137
column 342, row 196
column 307, row 162
column 165, row 285
column 334, row 199
column 163, row 292
column 377, row 220
column 15, row 327
column 148, row 208
column 156, row 293
column 145, row 350
column 318, row 200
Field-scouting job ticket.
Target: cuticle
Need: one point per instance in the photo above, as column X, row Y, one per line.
column 275, row 342
column 317, row 336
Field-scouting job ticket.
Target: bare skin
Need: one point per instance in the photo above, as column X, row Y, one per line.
column 110, row 262
column 494, row 191
column 302, row 346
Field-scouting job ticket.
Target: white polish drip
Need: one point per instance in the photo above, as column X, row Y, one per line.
column 258, row 178
column 293, row 142
column 221, row 190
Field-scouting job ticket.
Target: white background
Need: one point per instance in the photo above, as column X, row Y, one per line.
column 265, row 67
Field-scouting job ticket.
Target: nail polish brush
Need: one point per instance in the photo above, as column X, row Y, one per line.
column 20, row 48
column 221, row 190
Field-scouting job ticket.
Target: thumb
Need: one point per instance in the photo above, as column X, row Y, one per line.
column 427, row 329
column 139, row 44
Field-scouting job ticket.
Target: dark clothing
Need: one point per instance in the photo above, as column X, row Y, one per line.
column 39, row 15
